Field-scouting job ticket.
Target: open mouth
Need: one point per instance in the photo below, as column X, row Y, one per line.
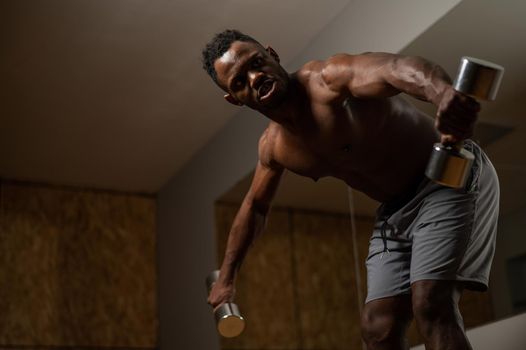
column 266, row 89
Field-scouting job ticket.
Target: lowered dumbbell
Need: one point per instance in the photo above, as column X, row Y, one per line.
column 449, row 165
column 229, row 321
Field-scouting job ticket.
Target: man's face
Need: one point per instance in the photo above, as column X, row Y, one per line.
column 251, row 76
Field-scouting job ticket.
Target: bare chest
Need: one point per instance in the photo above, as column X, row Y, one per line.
column 334, row 141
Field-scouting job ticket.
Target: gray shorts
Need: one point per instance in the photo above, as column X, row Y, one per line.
column 436, row 233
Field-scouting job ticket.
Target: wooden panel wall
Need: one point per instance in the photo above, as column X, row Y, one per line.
column 77, row 268
column 327, row 305
column 297, row 287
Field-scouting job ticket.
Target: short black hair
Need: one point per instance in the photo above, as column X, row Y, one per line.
column 220, row 44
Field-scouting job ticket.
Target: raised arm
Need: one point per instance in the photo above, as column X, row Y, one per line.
column 384, row 74
column 373, row 75
column 248, row 223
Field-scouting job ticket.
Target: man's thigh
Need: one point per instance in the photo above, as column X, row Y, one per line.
column 388, row 262
column 454, row 233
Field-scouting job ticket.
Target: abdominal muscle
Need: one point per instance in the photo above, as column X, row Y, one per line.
column 399, row 153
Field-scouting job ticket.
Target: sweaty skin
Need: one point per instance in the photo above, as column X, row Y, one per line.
column 340, row 117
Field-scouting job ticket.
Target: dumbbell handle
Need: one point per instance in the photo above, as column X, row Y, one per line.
column 228, row 319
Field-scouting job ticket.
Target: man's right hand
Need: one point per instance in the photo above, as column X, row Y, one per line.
column 456, row 116
column 221, row 293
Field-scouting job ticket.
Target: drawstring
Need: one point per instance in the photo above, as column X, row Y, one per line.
column 384, row 236
column 400, row 212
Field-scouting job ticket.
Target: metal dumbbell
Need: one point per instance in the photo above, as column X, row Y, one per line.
column 229, row 321
column 449, row 165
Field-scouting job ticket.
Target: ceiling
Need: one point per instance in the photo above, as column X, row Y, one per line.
column 490, row 29
column 111, row 94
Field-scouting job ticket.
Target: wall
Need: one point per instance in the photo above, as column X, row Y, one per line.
column 77, row 268
column 185, row 204
column 511, row 242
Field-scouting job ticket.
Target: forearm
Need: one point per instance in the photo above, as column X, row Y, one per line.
column 418, row 77
column 249, row 222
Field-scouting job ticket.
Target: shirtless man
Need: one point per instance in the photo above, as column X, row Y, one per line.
column 342, row 118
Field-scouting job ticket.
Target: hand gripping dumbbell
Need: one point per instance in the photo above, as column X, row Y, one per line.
column 229, row 321
column 449, row 165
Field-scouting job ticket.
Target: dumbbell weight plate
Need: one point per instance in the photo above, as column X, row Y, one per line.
column 449, row 165
column 478, row 78
column 229, row 321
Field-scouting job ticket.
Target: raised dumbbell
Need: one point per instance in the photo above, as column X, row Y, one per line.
column 449, row 165
column 229, row 321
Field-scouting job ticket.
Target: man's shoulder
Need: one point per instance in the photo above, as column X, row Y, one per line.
column 332, row 61
column 309, row 70
column 339, row 71
column 331, row 72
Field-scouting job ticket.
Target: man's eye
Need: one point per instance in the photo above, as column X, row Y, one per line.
column 239, row 82
column 257, row 62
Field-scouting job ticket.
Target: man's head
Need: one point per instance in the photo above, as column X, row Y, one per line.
column 249, row 73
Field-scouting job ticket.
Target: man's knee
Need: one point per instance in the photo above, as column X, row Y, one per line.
column 385, row 320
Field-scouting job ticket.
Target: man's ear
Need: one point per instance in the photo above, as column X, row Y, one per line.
column 232, row 100
column 272, row 53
